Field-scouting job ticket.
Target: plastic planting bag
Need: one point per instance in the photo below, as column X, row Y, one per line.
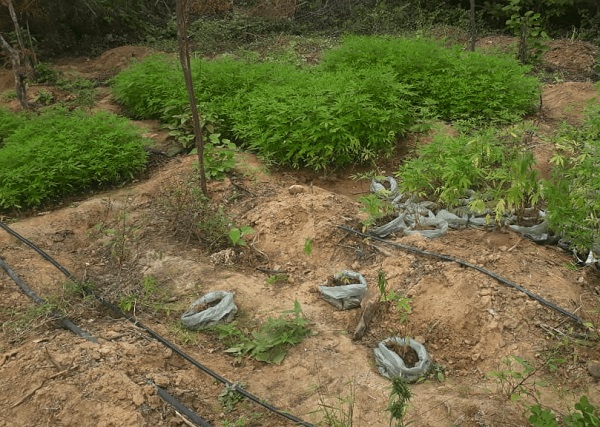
column 212, row 308
column 391, row 365
column 345, row 296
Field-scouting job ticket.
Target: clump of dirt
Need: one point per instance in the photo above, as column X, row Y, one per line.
column 407, row 353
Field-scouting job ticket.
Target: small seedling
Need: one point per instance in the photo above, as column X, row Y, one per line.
column 236, row 235
column 398, row 404
column 276, row 279
column 308, row 246
column 229, row 396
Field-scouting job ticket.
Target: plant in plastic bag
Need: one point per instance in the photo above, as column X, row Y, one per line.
column 391, row 365
column 347, row 291
column 375, row 208
column 211, row 309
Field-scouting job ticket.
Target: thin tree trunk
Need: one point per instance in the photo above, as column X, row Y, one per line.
column 184, row 58
column 19, row 35
column 473, row 27
column 20, row 75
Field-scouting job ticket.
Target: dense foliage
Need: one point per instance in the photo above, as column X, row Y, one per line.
column 9, row 122
column 349, row 109
column 490, row 170
column 60, row 153
column 573, row 202
column 451, row 83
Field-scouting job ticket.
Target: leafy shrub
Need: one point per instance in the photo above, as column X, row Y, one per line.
column 586, row 415
column 455, row 84
column 325, row 119
column 61, row 152
column 572, row 194
column 9, row 123
column 147, row 87
column 270, row 342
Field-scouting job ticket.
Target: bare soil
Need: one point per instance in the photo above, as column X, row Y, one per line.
column 468, row 322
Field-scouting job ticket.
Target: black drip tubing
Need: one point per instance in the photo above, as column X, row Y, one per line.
column 40, row 301
column 500, row 279
column 156, row 335
column 180, row 407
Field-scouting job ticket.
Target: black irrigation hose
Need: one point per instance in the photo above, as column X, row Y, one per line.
column 180, row 407
column 157, row 336
column 40, row 301
column 500, row 279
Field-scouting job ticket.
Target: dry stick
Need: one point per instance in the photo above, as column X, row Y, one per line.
column 7, row 356
column 54, row 362
column 32, row 392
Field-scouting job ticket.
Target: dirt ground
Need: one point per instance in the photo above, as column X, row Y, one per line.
column 468, row 322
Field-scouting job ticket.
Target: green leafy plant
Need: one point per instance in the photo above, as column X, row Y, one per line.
column 44, row 97
column 269, row 343
column 447, row 83
column 275, row 279
column 229, row 396
column 573, row 207
column 149, row 295
column 517, row 379
column 9, row 123
column 586, row 415
column 400, row 396
column 236, row 235
column 402, row 304
column 88, row 151
column 375, row 209
column 527, row 26
column 308, row 246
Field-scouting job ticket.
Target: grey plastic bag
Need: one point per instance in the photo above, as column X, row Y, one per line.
column 223, row 312
column 391, row 365
column 345, row 297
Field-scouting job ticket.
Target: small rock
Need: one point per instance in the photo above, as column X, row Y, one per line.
column 485, row 291
column 296, row 189
column 594, row 369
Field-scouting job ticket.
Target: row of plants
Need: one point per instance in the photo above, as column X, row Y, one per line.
column 349, row 109
column 45, row 157
column 493, row 171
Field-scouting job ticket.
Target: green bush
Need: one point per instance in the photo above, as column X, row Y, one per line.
column 60, row 153
column 148, row 87
column 453, row 83
column 325, row 119
column 572, row 194
column 9, row 123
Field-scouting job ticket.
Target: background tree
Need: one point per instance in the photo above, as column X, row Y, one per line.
column 18, row 58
